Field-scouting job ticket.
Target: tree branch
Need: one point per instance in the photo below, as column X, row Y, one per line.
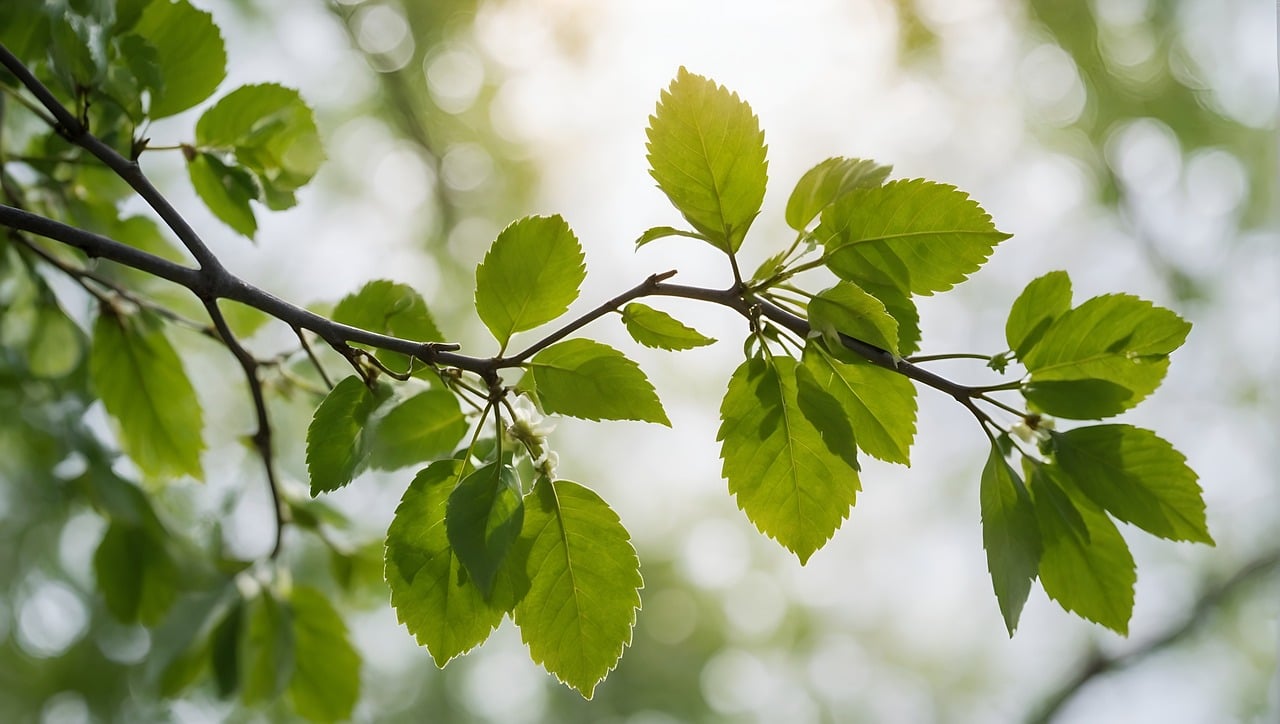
column 1099, row 664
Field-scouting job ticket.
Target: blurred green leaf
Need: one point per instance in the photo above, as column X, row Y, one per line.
column 707, row 153
column 1010, row 536
column 189, row 53
column 1136, row 477
column 135, row 573
column 266, row 649
column 56, row 344
column 821, row 185
column 338, row 445
column 847, row 309
column 881, row 404
column 272, row 133
column 530, row 276
column 1041, row 302
column 917, row 236
column 584, row 584
column 660, row 330
column 1106, row 347
column 226, row 190
column 779, row 469
column 590, row 380
column 326, row 674
column 430, row 591
column 224, row 651
column 483, row 518
column 1090, row 573
column 424, row 427
column 24, row 30
column 142, row 384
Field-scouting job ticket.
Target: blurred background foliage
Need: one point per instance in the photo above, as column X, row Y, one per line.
column 1132, row 142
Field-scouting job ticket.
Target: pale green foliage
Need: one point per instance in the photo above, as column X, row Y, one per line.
column 529, row 277
column 654, row 328
column 916, row 236
column 486, row 528
column 707, row 153
column 794, row 482
column 140, row 380
column 584, row 584
column 591, row 380
column 1009, row 535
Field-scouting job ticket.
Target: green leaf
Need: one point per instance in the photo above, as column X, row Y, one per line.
column 653, row 328
column 337, row 440
column 424, row 427
column 584, row 584
column 271, row 131
column 900, row 306
column 142, row 384
column 590, row 380
column 483, row 518
column 430, row 591
column 661, row 232
column 189, row 53
column 135, row 574
column 1137, row 477
column 707, row 153
column 881, row 404
column 226, row 190
column 181, row 644
column 916, row 236
column 1010, row 536
column 387, row 307
column 56, row 344
column 266, row 650
column 326, row 676
column 1090, row 573
column 1103, row 357
column 821, row 185
column 529, row 277
column 224, row 652
column 1043, row 301
column 783, row 474
column 846, row 308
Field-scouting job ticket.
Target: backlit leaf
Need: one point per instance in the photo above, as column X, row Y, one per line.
column 1137, row 477
column 1010, row 536
column 881, row 404
column 654, row 328
column 189, row 54
column 828, row 181
column 424, row 427
column 584, row 584
column 662, row 232
column 847, row 309
column 587, row 379
column 1044, row 300
column 338, row 445
column 917, row 236
column 226, row 190
column 707, row 153
column 267, row 658
column 783, row 475
column 326, row 674
column 142, row 384
column 1090, row 573
column 483, row 518
column 432, row 594
column 1102, row 357
column 388, row 307
column 271, row 132
column 529, row 277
